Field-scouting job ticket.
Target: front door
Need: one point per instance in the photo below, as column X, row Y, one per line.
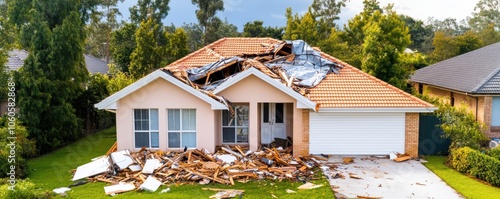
column 272, row 122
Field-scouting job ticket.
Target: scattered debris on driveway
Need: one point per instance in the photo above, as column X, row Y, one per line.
column 147, row 170
column 372, row 177
column 398, row 157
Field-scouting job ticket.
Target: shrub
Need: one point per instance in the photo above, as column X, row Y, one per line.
column 494, row 153
column 23, row 189
column 23, row 148
column 477, row 164
column 460, row 126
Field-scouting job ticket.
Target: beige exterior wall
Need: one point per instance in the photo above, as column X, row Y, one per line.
column 162, row 95
column 411, row 133
column 479, row 106
column 253, row 91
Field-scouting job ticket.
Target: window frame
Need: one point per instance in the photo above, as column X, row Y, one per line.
column 150, row 129
column 181, row 130
column 235, row 126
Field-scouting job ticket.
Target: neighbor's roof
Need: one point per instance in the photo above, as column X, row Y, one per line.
column 351, row 88
column 475, row 72
column 16, row 60
column 95, row 65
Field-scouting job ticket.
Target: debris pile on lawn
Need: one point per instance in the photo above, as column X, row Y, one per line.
column 147, row 170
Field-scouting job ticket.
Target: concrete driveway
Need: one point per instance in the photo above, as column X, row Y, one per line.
column 382, row 177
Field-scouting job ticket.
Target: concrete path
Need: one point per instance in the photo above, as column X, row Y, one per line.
column 382, row 177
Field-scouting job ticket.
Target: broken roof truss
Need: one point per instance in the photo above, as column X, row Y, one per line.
column 294, row 63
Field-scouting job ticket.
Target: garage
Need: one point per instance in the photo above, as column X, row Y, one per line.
column 356, row 133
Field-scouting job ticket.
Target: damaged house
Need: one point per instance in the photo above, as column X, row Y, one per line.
column 253, row 91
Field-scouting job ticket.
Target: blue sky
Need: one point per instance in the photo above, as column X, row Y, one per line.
column 239, row 12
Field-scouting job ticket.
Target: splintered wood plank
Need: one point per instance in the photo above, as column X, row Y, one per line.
column 402, row 159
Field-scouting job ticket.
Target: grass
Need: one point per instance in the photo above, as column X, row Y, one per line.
column 50, row 171
column 467, row 186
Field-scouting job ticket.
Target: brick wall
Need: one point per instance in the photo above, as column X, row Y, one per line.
column 483, row 112
column 411, row 134
column 436, row 92
column 302, row 146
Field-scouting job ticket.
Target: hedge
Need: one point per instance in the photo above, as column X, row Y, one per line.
column 477, row 164
column 494, row 153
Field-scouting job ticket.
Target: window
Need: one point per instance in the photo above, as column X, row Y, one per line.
column 146, row 128
column 235, row 130
column 181, row 128
column 452, row 99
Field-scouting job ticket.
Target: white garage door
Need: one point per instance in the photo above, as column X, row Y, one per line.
column 356, row 133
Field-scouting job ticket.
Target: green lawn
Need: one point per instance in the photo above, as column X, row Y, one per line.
column 51, row 171
column 468, row 187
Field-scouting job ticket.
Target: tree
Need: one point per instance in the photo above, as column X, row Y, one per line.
column 177, row 46
column 421, row 35
column 467, row 42
column 157, row 10
column 256, row 29
column 53, row 74
column 122, row 45
column 147, row 56
column 449, row 26
column 336, row 46
column 195, row 35
column 489, row 35
column 386, row 36
column 304, row 28
column 446, row 47
column 206, row 17
column 99, row 30
column 325, row 13
column 486, row 12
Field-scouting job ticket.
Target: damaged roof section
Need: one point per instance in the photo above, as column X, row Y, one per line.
column 294, row 63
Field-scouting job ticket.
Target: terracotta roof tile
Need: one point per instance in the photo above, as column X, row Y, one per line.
column 351, row 88
column 226, row 47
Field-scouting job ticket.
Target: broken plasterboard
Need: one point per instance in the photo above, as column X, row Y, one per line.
column 226, row 158
column 122, row 159
column 150, row 166
column 119, row 188
column 95, row 167
column 151, row 184
column 135, row 167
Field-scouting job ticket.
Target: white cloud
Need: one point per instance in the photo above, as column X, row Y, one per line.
column 278, row 16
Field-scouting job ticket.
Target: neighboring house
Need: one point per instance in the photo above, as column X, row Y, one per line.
column 471, row 79
column 16, row 60
column 94, row 65
column 186, row 104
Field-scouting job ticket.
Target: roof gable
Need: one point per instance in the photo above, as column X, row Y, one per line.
column 110, row 102
column 302, row 102
column 468, row 73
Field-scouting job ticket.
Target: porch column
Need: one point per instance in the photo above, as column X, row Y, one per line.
column 253, row 131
